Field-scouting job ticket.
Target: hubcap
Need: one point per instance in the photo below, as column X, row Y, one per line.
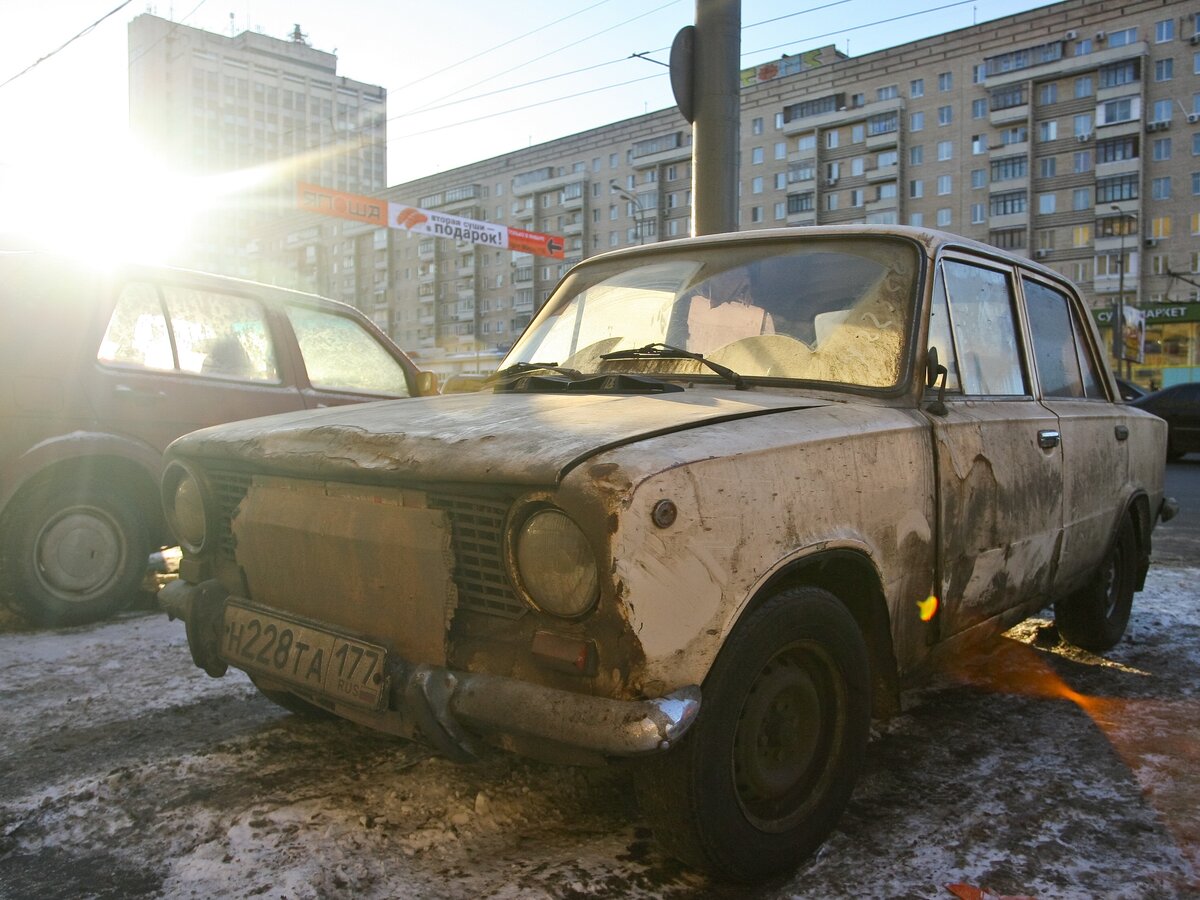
column 80, row 552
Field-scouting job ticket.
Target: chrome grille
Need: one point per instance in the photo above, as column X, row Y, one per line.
column 477, row 531
column 227, row 490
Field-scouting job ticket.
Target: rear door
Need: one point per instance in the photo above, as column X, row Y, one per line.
column 176, row 356
column 999, row 462
column 1094, row 430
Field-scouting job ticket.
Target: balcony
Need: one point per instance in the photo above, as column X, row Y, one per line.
column 1009, row 184
column 1009, row 115
column 573, row 228
column 883, row 173
column 1117, row 167
column 1011, row 220
column 844, row 116
column 1016, row 149
column 1069, row 65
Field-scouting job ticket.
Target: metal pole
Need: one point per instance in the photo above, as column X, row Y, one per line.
column 1118, row 302
column 717, row 103
column 639, row 210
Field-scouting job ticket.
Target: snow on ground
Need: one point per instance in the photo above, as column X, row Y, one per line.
column 1036, row 769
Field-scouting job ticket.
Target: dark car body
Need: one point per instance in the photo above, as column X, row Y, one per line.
column 1128, row 390
column 723, row 496
column 101, row 367
column 1179, row 405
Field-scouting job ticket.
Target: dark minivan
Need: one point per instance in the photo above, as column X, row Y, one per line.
column 102, row 367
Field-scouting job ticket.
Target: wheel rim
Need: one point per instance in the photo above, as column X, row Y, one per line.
column 791, row 719
column 1112, row 581
column 81, row 552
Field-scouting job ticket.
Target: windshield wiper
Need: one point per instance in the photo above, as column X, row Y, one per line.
column 523, row 367
column 666, row 351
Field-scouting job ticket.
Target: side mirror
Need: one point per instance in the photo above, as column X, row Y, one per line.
column 935, row 375
column 427, row 384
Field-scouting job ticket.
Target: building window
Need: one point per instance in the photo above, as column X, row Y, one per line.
column 1083, row 47
column 780, row 181
column 1081, row 235
column 1048, row 131
column 945, row 115
column 946, row 81
column 778, row 121
column 1008, row 239
column 806, row 142
column 1081, row 161
column 1082, row 125
column 780, row 211
column 883, row 123
column 1047, row 166
column 1009, row 167
column 1117, row 74
column 831, row 201
column 1160, row 188
column 1119, row 187
column 1084, row 87
column 916, row 87
column 945, row 185
column 1008, row 98
column 1160, row 227
column 916, row 122
column 979, row 108
column 916, row 155
column 756, row 156
column 1162, row 111
column 1122, row 38
column 979, row 144
column 916, row 219
column 858, row 134
column 801, row 203
column 887, row 93
column 978, row 178
column 1048, row 93
column 1160, row 149
column 1081, row 199
column 858, row 165
column 756, row 214
column 781, row 149
column 1008, row 203
column 1016, row 135
column 1195, row 184
column 857, row 198
column 978, row 214
column 916, row 188
column 1118, row 111
column 945, row 150
column 1164, row 69
column 1117, row 149
column 756, row 125
column 944, row 217
column 1047, row 204
column 756, row 185
column 1164, row 31
column 831, row 139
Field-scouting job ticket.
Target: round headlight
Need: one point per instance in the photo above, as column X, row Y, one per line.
column 555, row 564
column 183, row 504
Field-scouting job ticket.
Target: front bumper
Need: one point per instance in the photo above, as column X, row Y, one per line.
column 452, row 709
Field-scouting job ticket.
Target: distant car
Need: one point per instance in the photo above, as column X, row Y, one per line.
column 723, row 497
column 1128, row 390
column 101, row 368
column 1179, row 405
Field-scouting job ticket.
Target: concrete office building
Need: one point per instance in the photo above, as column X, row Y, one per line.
column 1070, row 133
column 274, row 111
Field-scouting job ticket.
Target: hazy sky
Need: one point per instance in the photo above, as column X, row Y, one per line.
column 446, row 53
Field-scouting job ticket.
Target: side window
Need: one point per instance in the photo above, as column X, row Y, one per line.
column 340, row 353
column 981, row 311
column 137, row 332
column 221, row 335
column 939, row 334
column 1065, row 368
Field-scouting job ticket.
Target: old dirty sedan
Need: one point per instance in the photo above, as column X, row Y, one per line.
column 723, row 498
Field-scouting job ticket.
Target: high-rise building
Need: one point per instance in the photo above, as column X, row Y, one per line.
column 274, row 111
column 1070, row 133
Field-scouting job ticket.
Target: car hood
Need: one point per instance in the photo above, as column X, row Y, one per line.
column 504, row 437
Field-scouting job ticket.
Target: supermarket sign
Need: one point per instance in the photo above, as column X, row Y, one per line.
column 385, row 214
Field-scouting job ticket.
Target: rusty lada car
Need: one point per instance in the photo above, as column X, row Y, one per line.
column 725, row 495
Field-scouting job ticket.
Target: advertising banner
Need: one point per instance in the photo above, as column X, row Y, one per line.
column 383, row 214
column 1133, row 338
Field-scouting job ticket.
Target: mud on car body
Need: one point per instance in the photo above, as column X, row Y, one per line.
column 723, row 497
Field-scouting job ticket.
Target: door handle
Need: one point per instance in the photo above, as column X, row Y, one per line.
column 124, row 390
column 1048, row 439
column 1122, row 432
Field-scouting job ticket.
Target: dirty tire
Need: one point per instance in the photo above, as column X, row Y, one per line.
column 74, row 553
column 765, row 772
column 1095, row 617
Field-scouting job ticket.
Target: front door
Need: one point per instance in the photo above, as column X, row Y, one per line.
column 998, row 453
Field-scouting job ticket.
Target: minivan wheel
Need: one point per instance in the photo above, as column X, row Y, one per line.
column 1096, row 616
column 74, row 553
column 763, row 775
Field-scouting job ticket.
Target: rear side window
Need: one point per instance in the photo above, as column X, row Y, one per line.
column 165, row 327
column 340, row 354
column 1065, row 368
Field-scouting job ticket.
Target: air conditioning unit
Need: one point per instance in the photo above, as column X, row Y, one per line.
column 1152, row 241
column 830, row 182
column 1070, row 35
column 1160, row 125
column 1041, row 252
column 1084, row 138
column 1195, row 38
column 1101, row 35
column 1193, row 118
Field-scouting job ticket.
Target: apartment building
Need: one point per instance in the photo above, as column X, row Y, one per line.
column 274, row 111
column 1070, row 133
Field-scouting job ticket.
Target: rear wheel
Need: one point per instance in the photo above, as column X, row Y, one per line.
column 1096, row 616
column 74, row 553
column 768, row 767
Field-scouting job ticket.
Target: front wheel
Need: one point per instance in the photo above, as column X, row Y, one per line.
column 74, row 553
column 768, row 767
column 1095, row 617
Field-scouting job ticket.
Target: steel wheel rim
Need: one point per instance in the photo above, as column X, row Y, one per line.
column 791, row 719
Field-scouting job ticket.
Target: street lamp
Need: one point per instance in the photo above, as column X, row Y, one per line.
column 639, row 210
column 1119, row 302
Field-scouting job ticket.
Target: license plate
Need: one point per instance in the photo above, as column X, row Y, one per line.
column 322, row 661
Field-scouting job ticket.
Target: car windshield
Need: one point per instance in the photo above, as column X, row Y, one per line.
column 822, row 309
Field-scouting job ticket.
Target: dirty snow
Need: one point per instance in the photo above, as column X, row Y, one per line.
column 1038, row 770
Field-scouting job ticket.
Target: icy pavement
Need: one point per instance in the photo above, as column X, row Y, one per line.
column 1039, row 770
